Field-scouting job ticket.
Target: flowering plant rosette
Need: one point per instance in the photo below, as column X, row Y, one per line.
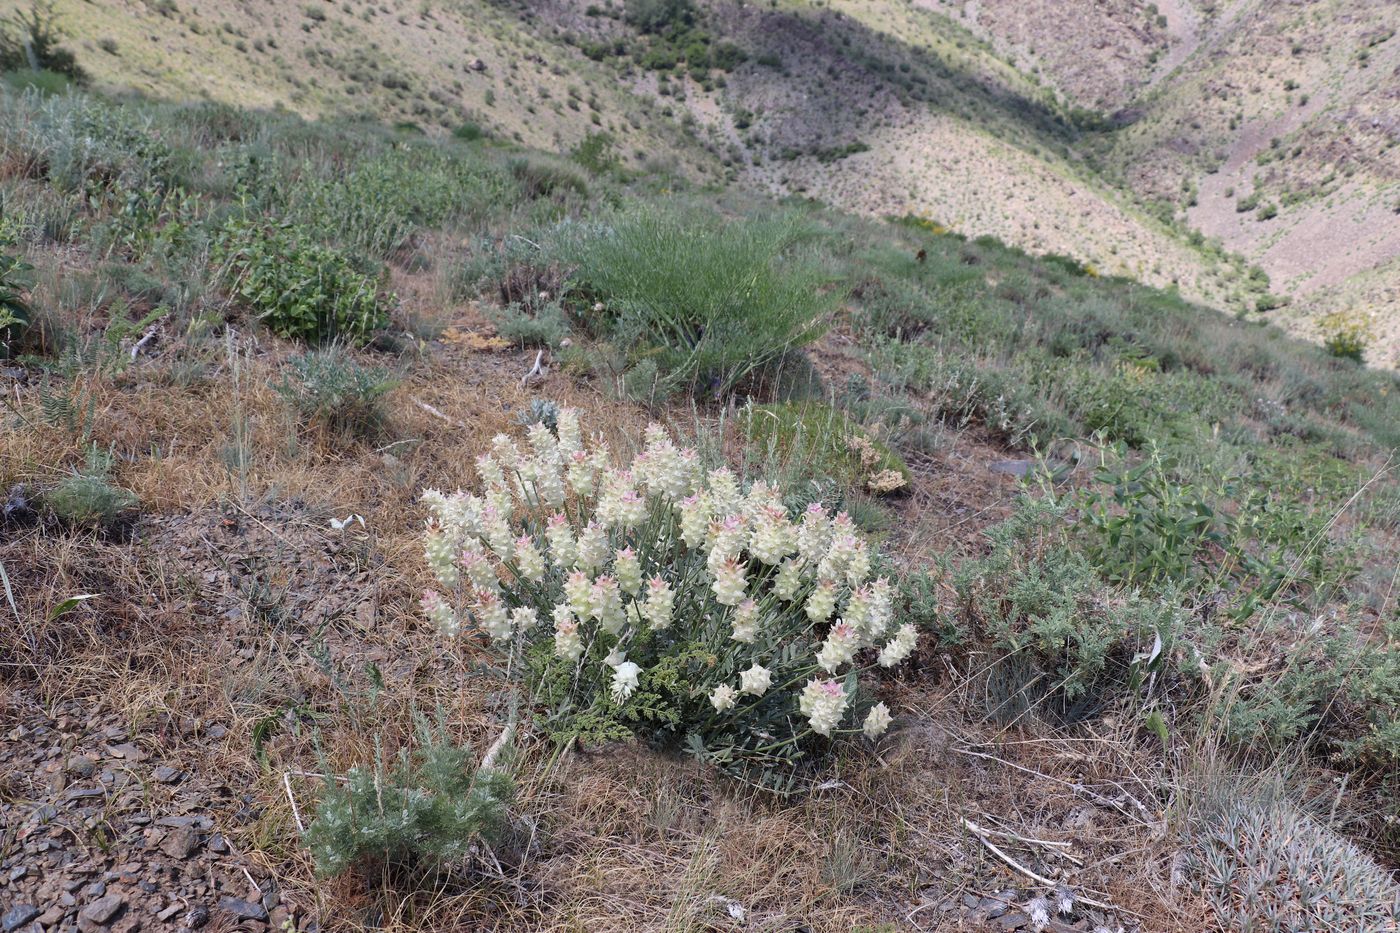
column 660, row 600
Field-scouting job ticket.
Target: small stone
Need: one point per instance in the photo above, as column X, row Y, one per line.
column 218, row 844
column 216, row 731
column 243, row 910
column 17, row 916
column 167, row 775
column 51, row 916
column 180, row 843
column 126, row 752
column 1011, row 467
column 82, row 765
column 168, row 912
column 18, row 872
column 102, row 909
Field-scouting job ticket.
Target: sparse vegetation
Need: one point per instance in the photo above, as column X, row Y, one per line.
column 1147, row 544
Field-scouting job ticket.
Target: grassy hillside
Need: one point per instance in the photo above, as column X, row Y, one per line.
column 876, row 108
column 1149, row 551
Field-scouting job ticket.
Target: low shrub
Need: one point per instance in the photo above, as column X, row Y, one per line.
column 1264, row 864
column 537, row 321
column 328, row 389
column 672, row 605
column 427, row 806
column 1068, row 640
column 819, row 442
column 1147, row 524
column 1346, row 334
column 706, row 301
column 299, row 288
column 86, row 498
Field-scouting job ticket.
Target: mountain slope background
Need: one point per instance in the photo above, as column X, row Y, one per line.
column 1178, row 143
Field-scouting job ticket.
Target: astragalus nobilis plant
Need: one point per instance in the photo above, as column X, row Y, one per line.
column 659, row 600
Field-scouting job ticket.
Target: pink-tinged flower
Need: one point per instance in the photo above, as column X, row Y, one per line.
column 440, row 614
column 605, row 604
column 745, row 622
column 822, row 603
column 628, row 571
column 823, row 702
column 528, row 559
column 567, row 643
column 899, row 647
column 788, row 581
column 729, row 583
column 840, row 646
column 563, row 549
column 659, row 604
column 578, row 593
column 491, row 615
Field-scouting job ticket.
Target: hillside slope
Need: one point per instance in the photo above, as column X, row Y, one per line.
column 1272, row 127
column 1107, row 131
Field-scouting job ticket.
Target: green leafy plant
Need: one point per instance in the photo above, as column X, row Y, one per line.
column 707, row 302
column 14, row 308
column 329, row 389
column 674, row 606
column 299, row 288
column 1146, row 524
column 426, row 806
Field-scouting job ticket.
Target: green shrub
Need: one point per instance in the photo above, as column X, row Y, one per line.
column 297, row 287
column 382, row 202
column 534, row 322
column 1346, row 334
column 817, row 442
column 427, row 806
column 15, row 312
column 1067, row 639
column 597, row 153
column 469, row 132
column 1152, row 525
column 328, row 389
column 86, row 498
column 658, row 15
column 707, row 302
column 30, row 40
column 545, row 178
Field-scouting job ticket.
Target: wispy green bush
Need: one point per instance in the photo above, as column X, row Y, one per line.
column 86, row 498
column 328, row 389
column 1068, row 641
column 707, row 301
column 426, row 806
